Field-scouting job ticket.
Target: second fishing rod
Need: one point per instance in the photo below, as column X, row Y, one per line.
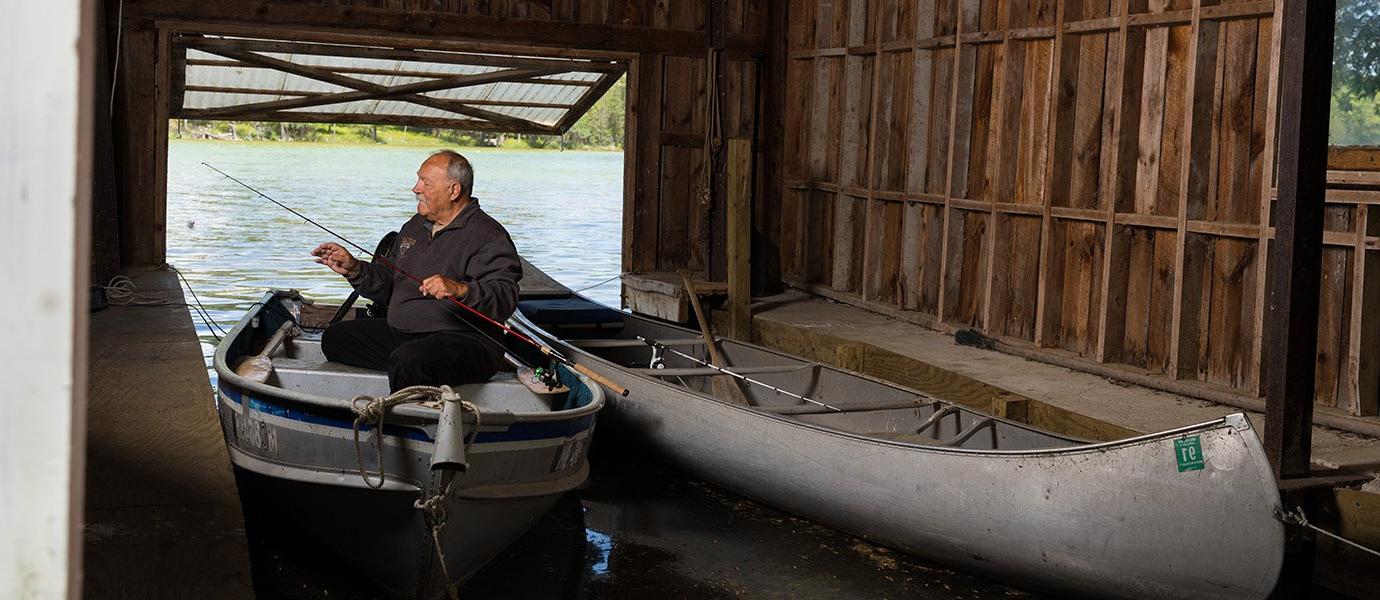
column 480, row 322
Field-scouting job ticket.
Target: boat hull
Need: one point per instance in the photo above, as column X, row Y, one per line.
column 1113, row 520
column 305, row 466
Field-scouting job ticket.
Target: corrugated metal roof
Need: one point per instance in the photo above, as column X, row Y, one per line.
column 266, row 80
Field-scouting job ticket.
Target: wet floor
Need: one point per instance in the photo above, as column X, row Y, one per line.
column 637, row 529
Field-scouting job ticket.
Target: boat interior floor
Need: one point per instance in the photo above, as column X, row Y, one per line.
column 300, row 366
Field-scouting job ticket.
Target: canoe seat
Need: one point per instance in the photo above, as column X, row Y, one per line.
column 570, row 311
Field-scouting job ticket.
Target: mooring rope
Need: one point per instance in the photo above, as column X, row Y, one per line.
column 1297, row 517
column 433, row 507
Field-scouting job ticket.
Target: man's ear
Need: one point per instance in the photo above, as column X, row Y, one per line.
column 459, row 191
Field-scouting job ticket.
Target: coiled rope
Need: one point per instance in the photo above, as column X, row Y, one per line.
column 433, row 507
column 370, row 410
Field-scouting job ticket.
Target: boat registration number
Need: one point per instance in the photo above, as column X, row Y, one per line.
column 570, row 453
column 1189, row 453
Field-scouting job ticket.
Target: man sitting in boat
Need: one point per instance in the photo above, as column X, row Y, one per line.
column 460, row 252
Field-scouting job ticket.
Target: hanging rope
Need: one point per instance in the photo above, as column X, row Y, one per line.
column 433, row 507
column 595, row 285
column 1298, row 518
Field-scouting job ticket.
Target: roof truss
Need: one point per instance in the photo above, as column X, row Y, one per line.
column 460, row 90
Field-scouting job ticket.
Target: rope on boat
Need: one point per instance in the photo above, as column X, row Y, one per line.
column 374, row 409
column 660, row 346
column 1297, row 517
column 433, row 507
column 595, row 285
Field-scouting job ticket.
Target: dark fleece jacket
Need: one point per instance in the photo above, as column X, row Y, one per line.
column 473, row 248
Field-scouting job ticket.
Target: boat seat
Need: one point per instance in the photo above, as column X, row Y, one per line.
column 572, row 310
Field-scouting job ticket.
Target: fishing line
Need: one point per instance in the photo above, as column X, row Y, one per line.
column 503, row 329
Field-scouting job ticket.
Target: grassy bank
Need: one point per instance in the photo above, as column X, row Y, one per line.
column 368, row 135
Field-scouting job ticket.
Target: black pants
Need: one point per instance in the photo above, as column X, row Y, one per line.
column 442, row 358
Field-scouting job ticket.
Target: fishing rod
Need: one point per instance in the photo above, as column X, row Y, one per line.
column 663, row 347
column 467, row 318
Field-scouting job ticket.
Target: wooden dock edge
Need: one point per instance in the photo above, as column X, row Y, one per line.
column 917, row 374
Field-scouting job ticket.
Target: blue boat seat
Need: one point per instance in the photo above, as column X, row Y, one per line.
column 572, row 310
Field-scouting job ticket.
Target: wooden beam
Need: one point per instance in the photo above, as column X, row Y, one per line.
column 1047, row 294
column 360, row 84
column 379, row 119
column 716, row 66
column 139, row 150
column 405, row 93
column 302, row 93
column 1305, row 95
column 217, row 62
column 1124, row 107
column 587, row 100
column 391, row 52
column 296, row 20
column 739, row 243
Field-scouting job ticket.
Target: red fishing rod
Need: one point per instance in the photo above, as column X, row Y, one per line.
column 467, row 317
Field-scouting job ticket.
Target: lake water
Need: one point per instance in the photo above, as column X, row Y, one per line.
column 563, row 209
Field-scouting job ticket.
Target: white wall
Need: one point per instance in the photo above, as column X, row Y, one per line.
column 44, row 171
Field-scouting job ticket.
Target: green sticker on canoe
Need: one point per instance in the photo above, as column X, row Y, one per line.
column 1189, row 453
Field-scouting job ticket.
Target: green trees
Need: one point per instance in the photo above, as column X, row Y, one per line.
column 1356, row 75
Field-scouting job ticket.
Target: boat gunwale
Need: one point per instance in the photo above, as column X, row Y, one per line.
column 245, row 385
column 1236, row 420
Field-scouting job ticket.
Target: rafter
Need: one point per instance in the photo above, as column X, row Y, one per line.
column 404, row 54
column 387, row 92
column 211, row 89
column 409, row 93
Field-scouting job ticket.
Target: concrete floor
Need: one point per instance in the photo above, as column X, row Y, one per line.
column 163, row 516
column 930, row 361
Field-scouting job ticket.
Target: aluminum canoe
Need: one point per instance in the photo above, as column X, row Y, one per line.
column 1187, row 513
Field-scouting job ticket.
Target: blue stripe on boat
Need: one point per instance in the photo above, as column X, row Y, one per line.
column 515, row 432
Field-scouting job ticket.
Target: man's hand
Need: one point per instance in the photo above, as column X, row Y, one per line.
column 337, row 258
column 441, row 287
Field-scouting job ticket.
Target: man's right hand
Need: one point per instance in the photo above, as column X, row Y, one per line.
column 337, row 258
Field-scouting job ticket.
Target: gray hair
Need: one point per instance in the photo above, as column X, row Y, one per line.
column 459, row 170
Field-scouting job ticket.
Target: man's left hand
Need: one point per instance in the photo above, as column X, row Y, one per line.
column 441, row 287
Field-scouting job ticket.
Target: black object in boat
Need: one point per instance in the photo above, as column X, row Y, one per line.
column 377, row 308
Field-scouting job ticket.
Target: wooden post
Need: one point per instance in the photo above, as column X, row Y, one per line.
column 1304, row 100
column 716, row 66
column 739, row 243
column 141, row 136
column 1305, row 94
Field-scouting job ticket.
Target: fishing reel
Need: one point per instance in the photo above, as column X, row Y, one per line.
column 547, row 377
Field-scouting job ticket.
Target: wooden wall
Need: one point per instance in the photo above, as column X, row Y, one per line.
column 1089, row 177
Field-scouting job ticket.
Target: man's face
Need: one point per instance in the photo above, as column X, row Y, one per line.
column 435, row 191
